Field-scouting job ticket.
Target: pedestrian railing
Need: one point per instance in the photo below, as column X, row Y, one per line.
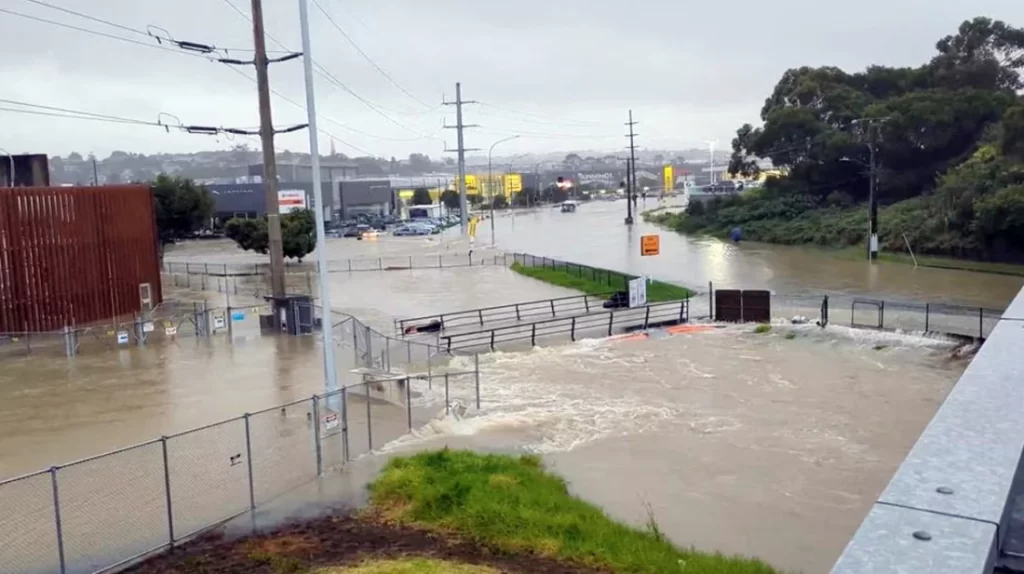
column 597, row 324
column 511, row 313
column 615, row 280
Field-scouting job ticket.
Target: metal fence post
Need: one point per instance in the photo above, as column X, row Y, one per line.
column 316, row 436
column 408, row 350
column 430, row 377
column 408, row 402
column 344, row 423
column 981, row 322
column 711, row 300
column 369, row 417
column 248, row 458
column 927, row 312
column 56, row 519
column 167, row 492
column 476, row 374
column 447, row 403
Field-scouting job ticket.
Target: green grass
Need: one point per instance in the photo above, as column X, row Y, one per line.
column 513, row 504
column 936, row 262
column 410, row 566
column 585, row 280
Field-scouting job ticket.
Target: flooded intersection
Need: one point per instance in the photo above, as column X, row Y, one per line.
column 768, row 444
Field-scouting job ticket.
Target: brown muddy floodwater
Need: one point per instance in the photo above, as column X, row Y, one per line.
column 773, row 445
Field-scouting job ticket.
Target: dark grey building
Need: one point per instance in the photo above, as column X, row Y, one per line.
column 297, row 172
column 249, row 199
column 370, row 197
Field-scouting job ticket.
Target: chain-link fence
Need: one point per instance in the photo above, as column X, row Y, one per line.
column 382, row 263
column 112, row 509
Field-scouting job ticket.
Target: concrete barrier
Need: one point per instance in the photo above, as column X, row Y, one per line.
column 954, row 505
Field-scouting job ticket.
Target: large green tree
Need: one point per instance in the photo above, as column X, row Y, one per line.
column 182, row 207
column 298, row 234
column 421, row 196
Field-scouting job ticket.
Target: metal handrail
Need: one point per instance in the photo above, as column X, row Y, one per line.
column 655, row 314
column 477, row 316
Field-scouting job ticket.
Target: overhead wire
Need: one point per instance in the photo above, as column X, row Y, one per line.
column 369, row 59
column 91, row 18
column 331, row 78
column 550, row 119
column 72, row 113
column 104, row 34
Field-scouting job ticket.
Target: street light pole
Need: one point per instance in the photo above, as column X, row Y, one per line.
column 490, row 179
column 327, row 324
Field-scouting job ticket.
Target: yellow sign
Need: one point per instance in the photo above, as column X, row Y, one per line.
column 669, row 178
column 471, row 184
column 513, row 183
column 650, row 244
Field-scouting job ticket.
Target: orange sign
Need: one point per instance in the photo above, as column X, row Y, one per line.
column 650, row 244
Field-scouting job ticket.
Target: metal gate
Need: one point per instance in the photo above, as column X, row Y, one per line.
column 872, row 312
column 736, row 306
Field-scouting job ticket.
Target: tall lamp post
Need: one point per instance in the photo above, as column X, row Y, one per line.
column 490, row 179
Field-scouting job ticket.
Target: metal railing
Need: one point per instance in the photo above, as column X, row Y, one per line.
column 953, row 505
column 512, row 312
column 615, row 280
column 604, row 323
column 112, row 509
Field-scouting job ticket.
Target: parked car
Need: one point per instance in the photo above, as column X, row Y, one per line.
column 356, row 230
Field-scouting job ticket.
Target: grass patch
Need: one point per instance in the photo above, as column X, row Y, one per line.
column 600, row 282
column 511, row 503
column 762, row 328
column 411, row 566
column 859, row 253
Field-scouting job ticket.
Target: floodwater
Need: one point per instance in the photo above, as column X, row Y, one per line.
column 595, row 235
column 756, row 444
column 759, row 444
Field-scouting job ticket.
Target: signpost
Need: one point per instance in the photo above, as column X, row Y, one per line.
column 638, row 292
column 650, row 245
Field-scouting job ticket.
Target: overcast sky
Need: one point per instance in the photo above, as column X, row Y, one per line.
column 560, row 73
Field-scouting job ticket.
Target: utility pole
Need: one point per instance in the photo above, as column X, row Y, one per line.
column 872, row 143
column 277, row 285
column 95, row 172
column 630, row 179
column 461, row 150
column 327, row 327
column 711, row 161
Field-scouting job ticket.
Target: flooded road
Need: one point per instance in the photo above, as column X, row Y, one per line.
column 769, row 444
column 595, row 235
column 757, row 444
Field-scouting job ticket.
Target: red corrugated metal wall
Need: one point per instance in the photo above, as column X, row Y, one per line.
column 75, row 255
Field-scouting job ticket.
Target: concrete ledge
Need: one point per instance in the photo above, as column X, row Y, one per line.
column 886, row 543
column 962, row 479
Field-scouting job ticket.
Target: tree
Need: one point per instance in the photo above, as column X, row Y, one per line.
column 298, row 234
column 182, row 207
column 499, row 202
column 450, row 199
column 420, row 163
column 421, row 196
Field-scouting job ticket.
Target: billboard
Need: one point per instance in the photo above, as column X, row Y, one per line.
column 289, row 200
column 668, row 178
column 513, row 183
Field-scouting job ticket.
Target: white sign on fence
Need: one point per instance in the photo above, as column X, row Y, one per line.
column 170, row 331
column 638, row 292
column 148, row 327
column 330, row 421
column 122, row 337
column 218, row 322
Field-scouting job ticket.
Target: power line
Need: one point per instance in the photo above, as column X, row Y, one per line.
column 368, row 58
column 158, row 45
column 320, row 69
column 551, row 119
column 103, row 34
column 76, row 114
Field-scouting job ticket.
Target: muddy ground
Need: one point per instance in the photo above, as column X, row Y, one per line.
column 337, row 541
